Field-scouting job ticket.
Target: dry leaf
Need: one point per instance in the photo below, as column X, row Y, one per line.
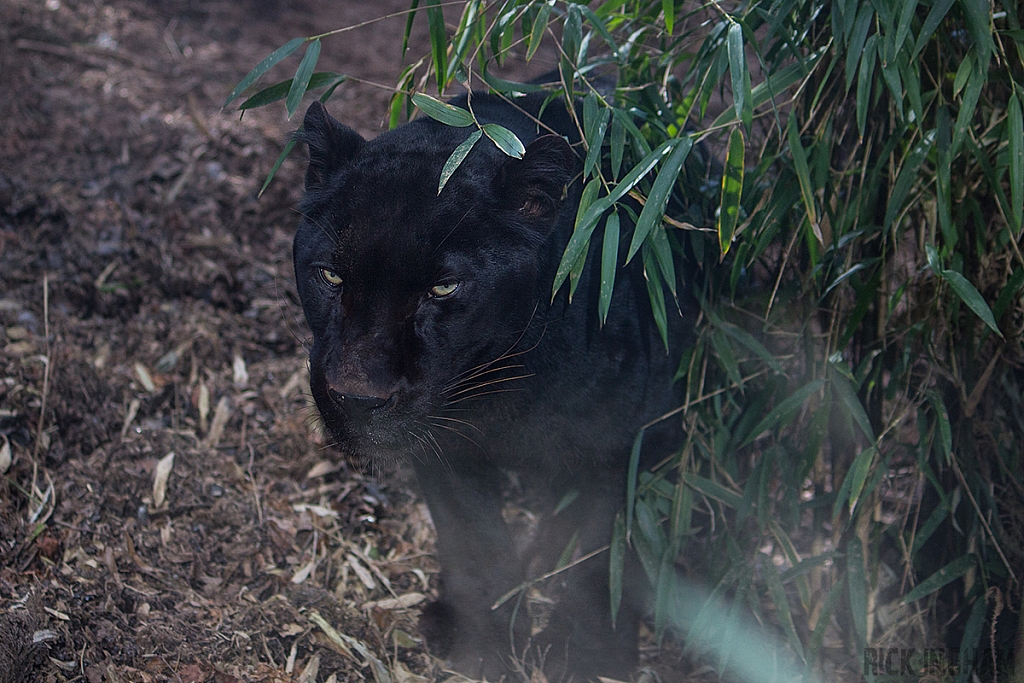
column 5, row 455
column 241, row 375
column 220, row 419
column 144, row 377
column 163, row 471
column 401, row 602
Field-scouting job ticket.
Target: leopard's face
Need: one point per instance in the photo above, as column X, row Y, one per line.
column 420, row 304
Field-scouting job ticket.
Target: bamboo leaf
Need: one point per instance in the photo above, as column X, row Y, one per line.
column 907, row 177
column 510, row 87
column 861, row 26
column 579, row 242
column 968, row 104
column 277, row 164
column 595, row 133
column 506, row 140
column 865, row 80
column 609, row 258
column 858, row 474
column 714, row 490
column 457, row 157
column 857, row 586
column 1015, row 146
column 438, row 42
column 540, row 24
column 263, row 67
column 853, row 406
column 616, row 563
column 906, row 15
column 782, row 609
column 732, row 190
column 656, row 293
column 970, row 296
column 408, row 25
column 973, row 629
column 952, row 571
column 803, row 175
column 668, row 8
column 654, row 207
column 934, row 18
column 631, row 474
column 302, row 76
column 279, row 91
column 442, row 111
column 785, row 410
column 737, row 67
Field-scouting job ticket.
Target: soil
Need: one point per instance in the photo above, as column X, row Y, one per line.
column 168, row 509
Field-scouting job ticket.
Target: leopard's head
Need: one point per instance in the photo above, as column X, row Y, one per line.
column 420, row 302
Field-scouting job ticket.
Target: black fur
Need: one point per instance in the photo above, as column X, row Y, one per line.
column 489, row 379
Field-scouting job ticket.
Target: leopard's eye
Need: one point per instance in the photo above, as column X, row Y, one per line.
column 443, row 289
column 330, row 277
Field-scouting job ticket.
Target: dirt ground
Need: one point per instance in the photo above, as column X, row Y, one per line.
column 169, row 512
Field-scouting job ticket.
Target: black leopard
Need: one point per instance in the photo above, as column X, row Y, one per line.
column 436, row 342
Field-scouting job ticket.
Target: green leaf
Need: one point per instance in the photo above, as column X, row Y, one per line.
column 853, row 406
column 907, row 178
column 540, row 24
column 803, row 175
column 438, row 42
column 737, row 67
column 631, row 473
column 858, row 592
column 278, row 91
column 507, row 87
column 732, row 191
column 654, row 207
column 587, row 220
column 505, row 139
column 861, row 26
column 668, row 8
column 970, row 296
column 618, row 145
column 951, row 572
column 595, row 129
column 747, row 340
column 935, row 17
column 263, row 67
column 858, row 474
column 579, row 242
column 408, row 25
column 785, row 410
column 973, row 629
column 865, row 80
column 609, row 258
column 277, row 164
column 968, row 104
column 963, row 72
column 906, row 15
column 1015, row 146
column 457, row 157
column 442, row 111
column 302, row 76
column 656, row 293
column 714, row 490
column 616, row 563
column 782, row 609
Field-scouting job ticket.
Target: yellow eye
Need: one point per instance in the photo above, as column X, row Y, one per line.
column 330, row 277
column 444, row 289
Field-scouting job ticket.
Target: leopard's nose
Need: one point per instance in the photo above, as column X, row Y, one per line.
column 357, row 404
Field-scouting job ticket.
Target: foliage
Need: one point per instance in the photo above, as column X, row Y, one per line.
column 853, row 403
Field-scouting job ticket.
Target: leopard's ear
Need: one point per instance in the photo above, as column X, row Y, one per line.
column 332, row 145
column 534, row 186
